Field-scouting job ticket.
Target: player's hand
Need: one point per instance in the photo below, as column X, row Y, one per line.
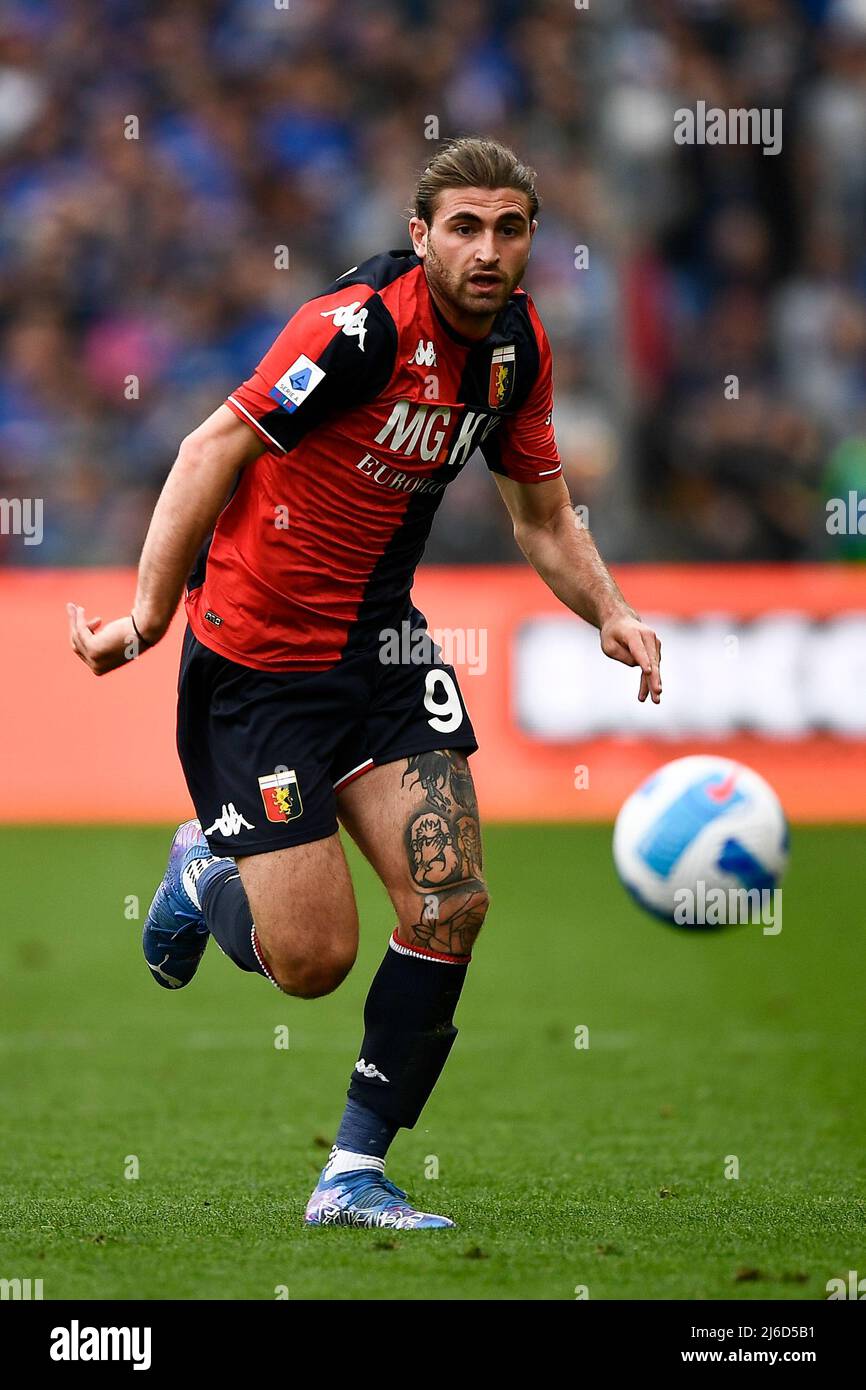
column 625, row 638
column 101, row 648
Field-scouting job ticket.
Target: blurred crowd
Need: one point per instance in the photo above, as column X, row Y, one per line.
column 706, row 304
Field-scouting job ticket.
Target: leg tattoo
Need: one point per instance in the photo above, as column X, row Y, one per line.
column 443, row 848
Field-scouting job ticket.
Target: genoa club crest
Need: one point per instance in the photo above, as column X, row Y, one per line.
column 281, row 795
column 501, row 377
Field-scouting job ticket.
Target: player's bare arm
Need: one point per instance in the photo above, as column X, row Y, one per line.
column 193, row 495
column 564, row 554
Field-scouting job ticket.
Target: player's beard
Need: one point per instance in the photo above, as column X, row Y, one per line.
column 453, row 286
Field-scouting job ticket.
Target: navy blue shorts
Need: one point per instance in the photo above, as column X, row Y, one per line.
column 265, row 753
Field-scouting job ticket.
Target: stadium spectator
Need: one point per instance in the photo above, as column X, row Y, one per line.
column 176, row 178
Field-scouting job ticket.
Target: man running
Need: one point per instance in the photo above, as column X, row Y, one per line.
column 295, row 516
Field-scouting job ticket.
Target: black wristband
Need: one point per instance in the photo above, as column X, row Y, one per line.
column 142, row 641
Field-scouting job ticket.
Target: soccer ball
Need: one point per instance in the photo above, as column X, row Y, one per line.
column 702, row 842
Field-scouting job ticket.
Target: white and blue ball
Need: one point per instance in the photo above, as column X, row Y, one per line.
column 698, row 824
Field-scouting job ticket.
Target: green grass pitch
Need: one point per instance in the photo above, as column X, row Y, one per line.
column 600, row 1167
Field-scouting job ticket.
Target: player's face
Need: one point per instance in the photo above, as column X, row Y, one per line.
column 475, row 252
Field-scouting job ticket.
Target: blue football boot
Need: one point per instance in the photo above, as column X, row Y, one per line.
column 365, row 1197
column 175, row 935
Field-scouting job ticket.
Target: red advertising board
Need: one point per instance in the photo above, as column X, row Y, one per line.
column 767, row 664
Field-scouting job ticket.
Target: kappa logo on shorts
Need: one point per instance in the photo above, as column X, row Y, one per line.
column 282, row 795
column 229, row 822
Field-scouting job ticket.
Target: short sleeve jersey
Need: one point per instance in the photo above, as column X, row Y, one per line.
column 369, row 404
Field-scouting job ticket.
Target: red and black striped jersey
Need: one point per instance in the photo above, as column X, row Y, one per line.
column 369, row 405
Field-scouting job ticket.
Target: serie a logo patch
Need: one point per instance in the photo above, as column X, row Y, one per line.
column 502, row 368
column 281, row 795
column 295, row 385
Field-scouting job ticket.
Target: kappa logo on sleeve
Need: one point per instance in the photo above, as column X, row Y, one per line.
column 295, row 385
column 351, row 318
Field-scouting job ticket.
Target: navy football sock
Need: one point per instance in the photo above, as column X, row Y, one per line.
column 362, row 1131
column 229, row 920
column 408, row 1034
